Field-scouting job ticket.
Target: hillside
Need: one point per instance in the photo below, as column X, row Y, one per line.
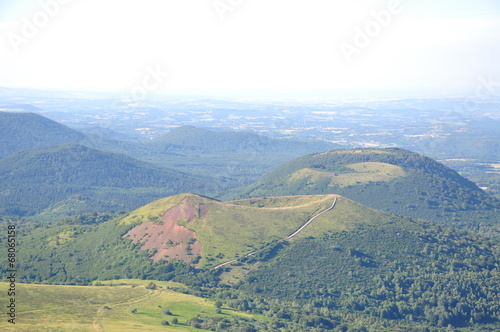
column 237, row 158
column 232, row 158
column 186, row 227
column 20, row 131
column 194, row 138
column 75, row 179
column 120, row 305
column 392, row 180
column 352, row 266
column 211, row 232
column 386, row 277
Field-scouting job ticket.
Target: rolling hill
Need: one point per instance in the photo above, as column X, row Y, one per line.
column 212, row 232
column 109, row 306
column 234, row 158
column 198, row 230
column 72, row 179
column 194, row 138
column 238, row 158
column 393, row 180
column 352, row 266
column 20, row 131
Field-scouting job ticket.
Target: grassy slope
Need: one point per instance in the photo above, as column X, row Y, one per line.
column 82, row 308
column 393, row 180
column 360, row 173
column 84, row 252
column 232, row 229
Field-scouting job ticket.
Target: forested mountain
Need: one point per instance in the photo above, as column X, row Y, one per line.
column 205, row 140
column 234, row 158
column 20, row 131
column 80, row 179
column 393, row 180
column 351, row 267
column 238, row 158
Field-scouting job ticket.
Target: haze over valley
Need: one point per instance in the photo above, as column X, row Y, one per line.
column 250, row 165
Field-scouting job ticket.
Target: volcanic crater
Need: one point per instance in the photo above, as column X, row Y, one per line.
column 171, row 240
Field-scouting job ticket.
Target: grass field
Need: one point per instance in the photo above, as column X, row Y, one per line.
column 106, row 308
column 233, row 230
column 230, row 230
column 152, row 211
column 362, row 173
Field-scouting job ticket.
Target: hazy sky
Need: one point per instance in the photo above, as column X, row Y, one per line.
column 130, row 45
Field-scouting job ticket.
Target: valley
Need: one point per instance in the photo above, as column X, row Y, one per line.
column 235, row 228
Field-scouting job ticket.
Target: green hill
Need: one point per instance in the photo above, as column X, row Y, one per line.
column 120, row 305
column 232, row 158
column 192, row 138
column 350, row 267
column 75, row 179
column 191, row 228
column 393, row 180
column 20, row 131
column 237, row 158
column 222, row 231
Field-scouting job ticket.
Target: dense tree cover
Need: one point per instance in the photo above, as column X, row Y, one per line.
column 433, row 276
column 34, row 180
column 429, row 190
column 407, row 275
column 192, row 138
column 20, row 131
column 236, row 158
column 93, row 180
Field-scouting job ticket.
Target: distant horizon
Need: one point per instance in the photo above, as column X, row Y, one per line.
column 408, row 47
column 284, row 95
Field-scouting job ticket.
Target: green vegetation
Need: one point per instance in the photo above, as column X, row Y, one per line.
column 232, row 229
column 191, row 138
column 75, row 179
column 59, row 179
column 354, row 268
column 234, row 158
column 21, row 131
column 389, row 277
column 392, row 180
column 353, row 174
column 126, row 306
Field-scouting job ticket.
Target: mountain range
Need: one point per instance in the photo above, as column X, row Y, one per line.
column 308, row 239
column 393, row 180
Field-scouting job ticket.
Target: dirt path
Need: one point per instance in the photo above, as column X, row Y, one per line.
column 309, row 221
column 319, row 200
column 286, row 238
column 98, row 325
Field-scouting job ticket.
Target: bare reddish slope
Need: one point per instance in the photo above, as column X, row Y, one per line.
column 171, row 240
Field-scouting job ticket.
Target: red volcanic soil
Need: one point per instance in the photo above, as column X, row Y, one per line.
column 171, row 240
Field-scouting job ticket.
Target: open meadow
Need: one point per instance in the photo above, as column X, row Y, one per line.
column 119, row 305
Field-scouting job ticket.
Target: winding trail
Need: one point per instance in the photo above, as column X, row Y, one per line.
column 286, row 238
column 98, row 324
column 309, row 221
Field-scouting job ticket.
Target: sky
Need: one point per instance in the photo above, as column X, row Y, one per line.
column 146, row 46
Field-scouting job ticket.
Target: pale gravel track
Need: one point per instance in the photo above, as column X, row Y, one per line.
column 286, row 238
